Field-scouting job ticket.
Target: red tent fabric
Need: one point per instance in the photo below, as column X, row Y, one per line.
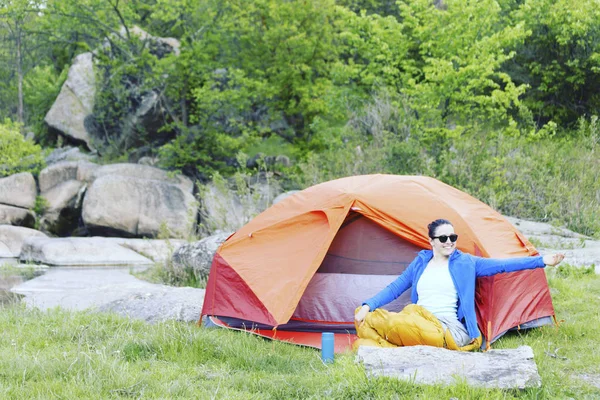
column 307, row 262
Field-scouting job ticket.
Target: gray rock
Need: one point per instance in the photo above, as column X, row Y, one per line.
column 154, row 249
column 225, row 210
column 144, row 172
column 79, row 251
column 147, row 117
column 75, row 102
column 284, row 196
column 160, row 304
column 12, row 238
column 165, row 45
column 590, row 379
column 68, row 153
column 61, row 217
column 112, row 290
column 503, row 369
column 283, row 161
column 529, row 228
column 151, row 161
column 197, row 257
column 138, row 207
column 16, row 216
column 18, row 190
column 65, row 171
column 579, row 250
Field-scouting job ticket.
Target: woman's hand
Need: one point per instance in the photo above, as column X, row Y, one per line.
column 359, row 317
column 553, row 259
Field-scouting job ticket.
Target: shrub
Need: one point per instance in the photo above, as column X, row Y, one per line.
column 16, row 153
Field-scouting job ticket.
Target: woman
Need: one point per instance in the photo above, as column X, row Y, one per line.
column 443, row 293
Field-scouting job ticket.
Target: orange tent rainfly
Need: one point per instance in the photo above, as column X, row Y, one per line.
column 304, row 265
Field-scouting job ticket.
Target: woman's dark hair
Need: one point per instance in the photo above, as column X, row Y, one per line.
column 433, row 226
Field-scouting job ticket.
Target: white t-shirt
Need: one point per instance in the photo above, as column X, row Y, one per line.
column 436, row 291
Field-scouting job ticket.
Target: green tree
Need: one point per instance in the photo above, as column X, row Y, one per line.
column 17, row 23
column 560, row 59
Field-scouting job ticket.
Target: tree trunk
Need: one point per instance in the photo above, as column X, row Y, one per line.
column 183, row 102
column 20, row 113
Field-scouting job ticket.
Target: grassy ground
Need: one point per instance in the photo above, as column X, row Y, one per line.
column 68, row 355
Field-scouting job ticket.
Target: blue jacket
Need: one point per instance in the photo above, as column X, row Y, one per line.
column 464, row 268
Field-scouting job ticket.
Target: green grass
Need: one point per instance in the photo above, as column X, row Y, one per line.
column 25, row 271
column 167, row 275
column 59, row 354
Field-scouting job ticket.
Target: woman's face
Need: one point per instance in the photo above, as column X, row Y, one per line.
column 446, row 248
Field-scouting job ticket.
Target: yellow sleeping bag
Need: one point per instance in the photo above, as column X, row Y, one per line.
column 412, row 326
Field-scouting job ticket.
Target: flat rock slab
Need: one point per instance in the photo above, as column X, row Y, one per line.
column 112, row 290
column 503, row 369
column 79, row 251
column 579, row 250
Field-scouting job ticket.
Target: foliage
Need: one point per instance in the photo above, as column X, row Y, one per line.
column 18, row 154
column 229, row 204
column 560, row 58
column 495, row 97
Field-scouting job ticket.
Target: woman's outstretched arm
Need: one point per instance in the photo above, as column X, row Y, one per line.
column 491, row 266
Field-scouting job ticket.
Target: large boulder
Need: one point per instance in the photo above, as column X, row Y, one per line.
column 197, row 257
column 64, row 171
column 68, row 153
column 12, row 238
column 158, row 46
column 10, row 215
column 18, row 190
column 503, row 369
column 63, row 186
column 129, row 206
column 72, row 110
column 72, row 113
column 63, row 208
column 225, row 209
column 144, row 172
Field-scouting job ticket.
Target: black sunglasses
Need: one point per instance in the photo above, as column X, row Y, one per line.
column 444, row 238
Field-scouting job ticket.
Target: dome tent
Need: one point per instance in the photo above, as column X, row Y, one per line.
column 303, row 265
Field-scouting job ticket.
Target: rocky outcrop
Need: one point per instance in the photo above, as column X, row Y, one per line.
column 12, row 238
column 68, row 153
column 65, row 171
column 72, row 113
column 63, row 208
column 503, row 369
column 63, row 186
column 17, row 197
column 123, row 205
column 158, row 46
column 144, row 172
column 197, row 257
column 72, row 110
column 18, row 190
column 16, row 216
column 579, row 250
column 224, row 209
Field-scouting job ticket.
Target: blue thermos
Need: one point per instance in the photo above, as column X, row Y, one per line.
column 327, row 344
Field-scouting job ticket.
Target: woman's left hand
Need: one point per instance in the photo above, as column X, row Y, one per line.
column 553, row 259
